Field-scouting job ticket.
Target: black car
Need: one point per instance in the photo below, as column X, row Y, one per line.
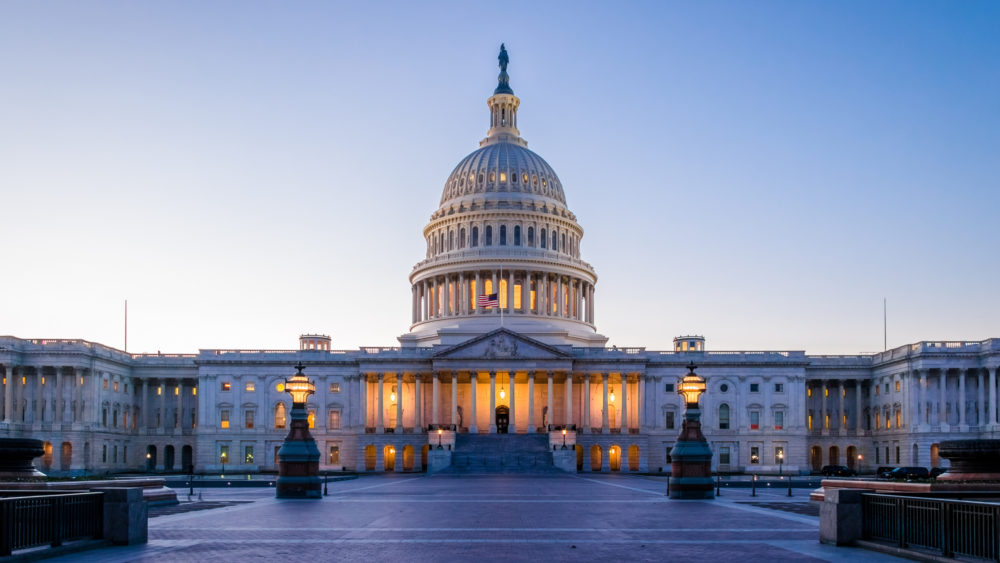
column 838, row 471
column 883, row 472
column 909, row 473
column 935, row 471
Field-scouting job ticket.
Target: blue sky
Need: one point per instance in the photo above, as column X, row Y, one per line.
column 242, row 172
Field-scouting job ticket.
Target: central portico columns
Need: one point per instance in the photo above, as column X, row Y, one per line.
column 943, row 409
column 436, row 401
column 399, row 404
column 551, row 403
column 569, row 398
column 961, row 400
column 841, row 416
column 513, row 396
column 454, row 399
column 624, row 426
column 604, row 411
column 380, row 427
column 531, row 402
column 923, row 412
column 493, row 397
column 473, row 427
column 418, row 411
column 858, row 425
column 586, row 402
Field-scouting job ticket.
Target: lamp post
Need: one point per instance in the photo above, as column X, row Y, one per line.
column 691, row 458
column 439, row 439
column 859, row 464
column 224, row 456
column 148, row 457
column 781, row 462
column 564, row 439
column 298, row 468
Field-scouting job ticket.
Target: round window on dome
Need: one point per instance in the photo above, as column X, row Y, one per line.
column 493, row 177
column 503, row 176
column 481, row 177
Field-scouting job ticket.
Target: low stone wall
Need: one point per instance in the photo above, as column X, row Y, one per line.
column 154, row 489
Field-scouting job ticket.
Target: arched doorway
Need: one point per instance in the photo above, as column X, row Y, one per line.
column 186, row 459
column 615, row 457
column 47, row 457
column 834, row 455
column 423, row 457
column 579, row 457
column 595, row 458
column 852, row 457
column 389, row 457
column 369, row 458
column 407, row 458
column 816, row 458
column 168, row 458
column 503, row 419
column 633, row 458
column 150, row 457
column 66, row 456
column 935, row 457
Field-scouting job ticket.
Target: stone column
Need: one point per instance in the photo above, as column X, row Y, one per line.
column 399, row 406
column 922, row 397
column 640, row 391
column 380, row 405
column 479, row 292
column 78, row 395
column 550, row 419
column 526, row 293
column 569, row 398
column 8, row 395
column 593, row 290
column 463, row 296
column 604, row 413
column 513, row 401
column 992, row 407
column 625, row 424
column 363, row 396
column 960, row 403
column 586, row 402
column 824, row 412
column 163, row 409
column 943, row 409
column 859, row 423
column 57, row 402
column 841, row 419
column 493, row 395
column 495, row 288
column 180, row 403
column 436, row 301
column 473, row 380
column 428, row 302
column 418, row 406
column 39, row 414
column 435, row 399
column 560, row 305
column 531, row 402
column 413, row 305
column 510, row 311
column 454, row 399
column 540, row 293
column 981, row 397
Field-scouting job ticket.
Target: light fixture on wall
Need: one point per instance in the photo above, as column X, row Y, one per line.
column 502, row 392
column 611, row 397
column 392, row 395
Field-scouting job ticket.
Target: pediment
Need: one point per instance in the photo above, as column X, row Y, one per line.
column 503, row 343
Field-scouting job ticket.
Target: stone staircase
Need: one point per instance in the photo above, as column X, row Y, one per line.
column 506, row 454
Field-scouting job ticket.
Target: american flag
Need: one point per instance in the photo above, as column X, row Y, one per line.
column 490, row 300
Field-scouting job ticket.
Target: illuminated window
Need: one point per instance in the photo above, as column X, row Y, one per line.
column 517, row 296
column 779, row 420
column 876, row 389
column 312, row 419
column 878, row 420
column 826, row 392
column 844, row 423
column 809, row 392
column 827, row 422
column 898, row 419
column 472, row 295
column 279, row 415
column 897, row 386
column 177, row 390
column 194, row 390
column 116, row 386
column 810, row 422
column 754, row 420
column 226, row 386
column 335, row 388
column 334, row 455
column 224, row 418
column 248, row 419
column 249, row 386
column 248, row 454
column 534, row 304
column 334, row 420
column 724, row 417
column 755, row 455
column 503, row 294
column 159, row 390
column 105, row 383
column 24, row 380
column 224, row 454
column 779, row 455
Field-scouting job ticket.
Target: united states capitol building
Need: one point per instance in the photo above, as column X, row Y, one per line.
column 502, row 226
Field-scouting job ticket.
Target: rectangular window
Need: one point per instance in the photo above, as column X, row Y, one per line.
column 809, row 392
column 533, row 304
column 194, row 390
column 887, row 454
column 897, row 454
column 224, row 418
column 754, row 420
column 104, row 417
column 335, row 388
column 876, row 389
column 826, row 392
column 877, row 458
column 755, row 387
column 779, row 420
column 503, row 294
column 248, row 454
column 779, row 388
column 312, row 419
column 517, row 296
column 670, row 388
column 248, row 419
column 115, row 454
column 810, row 422
column 670, row 447
column 779, row 455
column 755, row 455
column 472, row 294
column 334, row 455
column 226, row 386
column 105, row 383
column 897, row 386
column 116, row 386
column 826, row 422
column 334, row 420
column 126, row 388
column 886, row 388
column 159, row 390
column 723, row 456
column 670, row 420
column 724, row 417
column 224, row 454
column 249, row 387
column 104, row 454
column 177, row 390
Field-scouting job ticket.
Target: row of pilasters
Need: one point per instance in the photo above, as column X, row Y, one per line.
column 393, row 402
column 457, row 294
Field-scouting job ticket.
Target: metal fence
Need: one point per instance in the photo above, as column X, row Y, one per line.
column 951, row 527
column 31, row 519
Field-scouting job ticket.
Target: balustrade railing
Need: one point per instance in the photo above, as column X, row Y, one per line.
column 48, row 519
column 951, row 527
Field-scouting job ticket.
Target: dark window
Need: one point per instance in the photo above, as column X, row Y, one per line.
column 555, row 242
column 475, row 236
column 517, row 235
column 531, row 236
column 461, row 239
column 724, row 417
column 670, row 387
column 489, row 236
column 543, row 239
column 503, row 235
column 670, row 420
column 564, row 243
column 755, row 387
column 779, row 388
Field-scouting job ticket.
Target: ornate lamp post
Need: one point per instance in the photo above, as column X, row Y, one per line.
column 564, row 439
column 691, row 469
column 298, row 469
column 781, row 462
column 439, row 439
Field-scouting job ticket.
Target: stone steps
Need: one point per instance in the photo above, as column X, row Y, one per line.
column 507, row 454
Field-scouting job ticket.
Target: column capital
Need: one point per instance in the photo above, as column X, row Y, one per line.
column 550, row 373
column 380, row 375
column 511, row 373
column 604, row 375
column 454, row 374
column 531, row 374
column 493, row 374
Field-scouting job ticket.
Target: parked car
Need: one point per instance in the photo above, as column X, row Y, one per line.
column 909, row 473
column 838, row 471
column 883, row 472
column 935, row 471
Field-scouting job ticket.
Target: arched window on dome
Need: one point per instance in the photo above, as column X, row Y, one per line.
column 555, row 241
column 461, row 238
column 543, row 239
column 475, row 237
column 451, row 240
column 564, row 243
column 517, row 235
column 488, row 236
column 531, row 236
column 503, row 235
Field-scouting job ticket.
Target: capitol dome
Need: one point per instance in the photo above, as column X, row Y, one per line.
column 503, row 229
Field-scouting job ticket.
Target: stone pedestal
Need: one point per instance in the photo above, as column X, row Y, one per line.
column 437, row 460
column 565, row 460
column 971, row 460
column 691, row 467
column 126, row 515
column 298, row 470
column 840, row 516
column 17, row 457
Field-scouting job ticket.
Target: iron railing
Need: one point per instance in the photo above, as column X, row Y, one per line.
column 48, row 519
column 951, row 527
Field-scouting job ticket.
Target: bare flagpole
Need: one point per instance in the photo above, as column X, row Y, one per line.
column 126, row 325
column 885, row 325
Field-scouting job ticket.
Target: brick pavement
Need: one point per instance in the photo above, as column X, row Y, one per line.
column 462, row 518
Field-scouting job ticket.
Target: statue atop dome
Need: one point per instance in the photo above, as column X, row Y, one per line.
column 504, row 86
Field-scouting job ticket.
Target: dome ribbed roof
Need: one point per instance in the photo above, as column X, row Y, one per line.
column 491, row 169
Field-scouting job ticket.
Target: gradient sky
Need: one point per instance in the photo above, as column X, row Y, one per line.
column 243, row 172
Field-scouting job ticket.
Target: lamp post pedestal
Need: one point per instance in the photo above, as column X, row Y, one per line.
column 691, row 468
column 298, row 470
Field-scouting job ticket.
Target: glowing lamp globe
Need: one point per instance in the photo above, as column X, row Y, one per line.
column 299, row 386
column 502, row 393
column 692, row 386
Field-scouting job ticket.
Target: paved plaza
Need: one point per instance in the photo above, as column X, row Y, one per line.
column 461, row 518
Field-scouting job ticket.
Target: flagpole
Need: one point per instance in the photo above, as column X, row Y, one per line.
column 498, row 294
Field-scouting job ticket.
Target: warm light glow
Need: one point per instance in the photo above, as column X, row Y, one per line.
column 502, row 393
column 564, row 431
column 611, row 397
column 692, row 386
column 392, row 396
column 781, row 455
column 439, row 431
column 299, row 386
column 148, row 456
column 392, row 450
column 280, row 388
